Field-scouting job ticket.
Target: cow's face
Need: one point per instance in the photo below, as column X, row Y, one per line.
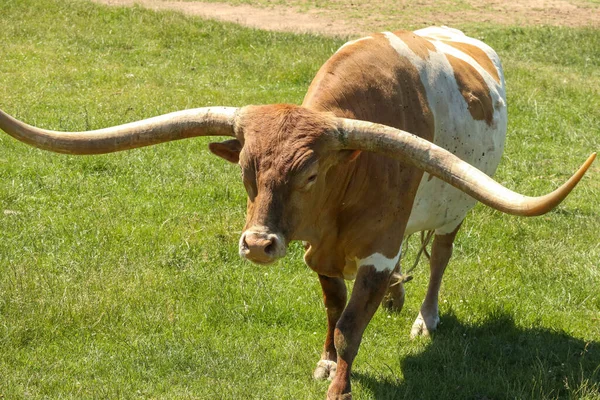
column 281, row 154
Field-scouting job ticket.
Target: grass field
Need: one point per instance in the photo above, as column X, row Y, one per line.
column 119, row 274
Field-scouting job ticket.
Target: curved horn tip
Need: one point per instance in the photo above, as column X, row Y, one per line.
column 587, row 164
column 556, row 197
column 592, row 157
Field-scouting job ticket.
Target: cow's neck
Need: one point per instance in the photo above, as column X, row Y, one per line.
column 349, row 228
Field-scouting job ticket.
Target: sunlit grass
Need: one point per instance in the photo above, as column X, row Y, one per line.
column 119, row 274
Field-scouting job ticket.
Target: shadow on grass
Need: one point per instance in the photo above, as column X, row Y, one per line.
column 494, row 360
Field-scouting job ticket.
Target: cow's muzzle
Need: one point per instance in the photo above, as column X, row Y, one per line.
column 259, row 245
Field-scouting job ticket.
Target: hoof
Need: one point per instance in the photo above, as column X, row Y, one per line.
column 393, row 304
column 424, row 326
column 345, row 396
column 394, row 298
column 325, row 370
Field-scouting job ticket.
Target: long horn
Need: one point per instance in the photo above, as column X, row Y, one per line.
column 209, row 121
column 406, row 147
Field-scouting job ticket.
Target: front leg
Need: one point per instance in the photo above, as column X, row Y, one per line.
column 334, row 297
column 369, row 289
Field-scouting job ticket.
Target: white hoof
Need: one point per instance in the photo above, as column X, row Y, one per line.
column 423, row 326
column 325, row 370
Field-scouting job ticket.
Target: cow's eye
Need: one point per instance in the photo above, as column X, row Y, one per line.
column 248, row 179
column 250, row 190
column 307, row 184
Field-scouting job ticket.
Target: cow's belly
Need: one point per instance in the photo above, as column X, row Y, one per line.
column 440, row 206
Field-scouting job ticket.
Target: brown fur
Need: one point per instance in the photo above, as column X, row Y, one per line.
column 419, row 45
column 385, row 88
column 369, row 289
column 283, row 149
column 334, row 298
column 345, row 205
column 478, row 55
column 281, row 145
column 388, row 91
column 473, row 88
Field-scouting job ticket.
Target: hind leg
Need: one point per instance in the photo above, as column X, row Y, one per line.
column 441, row 251
column 394, row 297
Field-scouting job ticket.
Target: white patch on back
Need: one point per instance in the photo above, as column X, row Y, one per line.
column 440, row 31
column 454, row 35
column 437, row 204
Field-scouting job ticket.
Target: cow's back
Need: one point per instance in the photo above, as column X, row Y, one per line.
column 436, row 83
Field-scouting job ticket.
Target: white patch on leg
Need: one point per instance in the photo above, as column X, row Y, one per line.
column 424, row 325
column 326, row 369
column 379, row 261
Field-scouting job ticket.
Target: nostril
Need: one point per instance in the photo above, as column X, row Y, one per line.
column 261, row 247
column 270, row 248
column 244, row 243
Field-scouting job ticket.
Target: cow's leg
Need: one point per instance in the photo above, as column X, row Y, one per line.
column 334, row 297
column 428, row 318
column 394, row 298
column 369, row 288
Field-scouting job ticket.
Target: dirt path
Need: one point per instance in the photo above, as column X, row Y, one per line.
column 281, row 19
column 345, row 17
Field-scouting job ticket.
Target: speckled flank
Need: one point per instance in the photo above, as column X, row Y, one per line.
column 477, row 139
column 473, row 89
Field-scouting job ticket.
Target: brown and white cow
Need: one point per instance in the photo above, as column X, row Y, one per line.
column 342, row 173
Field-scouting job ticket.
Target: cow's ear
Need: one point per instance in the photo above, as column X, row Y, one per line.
column 228, row 150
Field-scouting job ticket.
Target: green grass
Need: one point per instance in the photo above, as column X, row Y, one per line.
column 119, row 274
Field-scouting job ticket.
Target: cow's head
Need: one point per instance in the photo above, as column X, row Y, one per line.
column 284, row 152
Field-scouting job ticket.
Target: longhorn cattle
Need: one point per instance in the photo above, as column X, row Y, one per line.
column 398, row 133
